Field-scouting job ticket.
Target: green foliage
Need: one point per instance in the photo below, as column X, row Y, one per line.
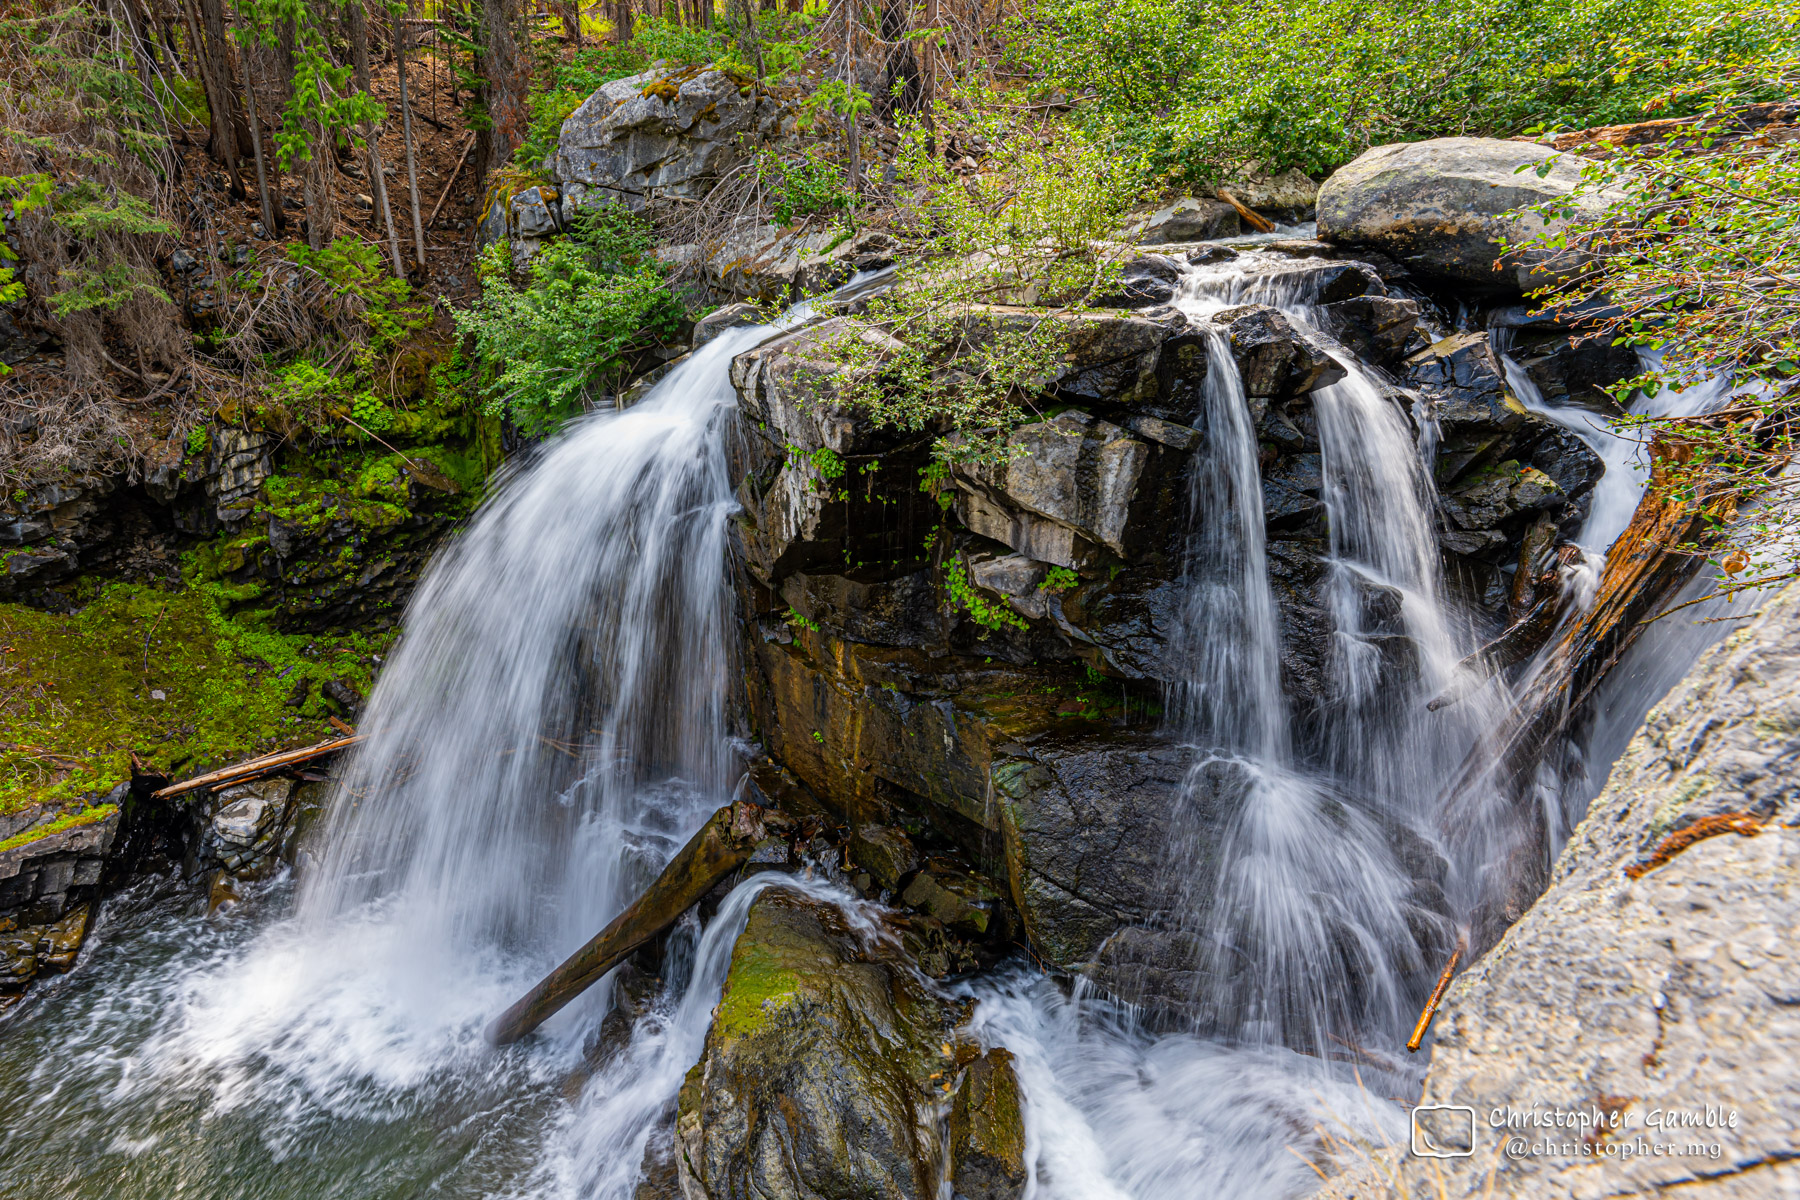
column 1058, row 580
column 357, row 274
column 803, row 186
column 105, row 287
column 796, row 619
column 197, row 439
column 1698, row 260
column 934, row 353
column 984, row 612
column 676, row 44
column 590, row 302
column 1193, row 89
column 318, row 107
column 79, row 699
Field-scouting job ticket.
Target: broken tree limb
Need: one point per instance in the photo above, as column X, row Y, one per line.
column 256, row 768
column 1251, row 217
column 1437, row 996
column 727, row 840
column 468, row 145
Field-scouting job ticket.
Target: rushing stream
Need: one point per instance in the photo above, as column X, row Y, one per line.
column 573, row 647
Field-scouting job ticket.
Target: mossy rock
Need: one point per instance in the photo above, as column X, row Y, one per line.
column 987, row 1131
column 822, row 1070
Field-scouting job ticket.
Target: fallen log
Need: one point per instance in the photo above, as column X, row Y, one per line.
column 256, row 768
column 1250, row 216
column 723, row 844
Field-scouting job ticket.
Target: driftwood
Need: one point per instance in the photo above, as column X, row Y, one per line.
column 1437, row 997
column 723, row 844
column 256, row 768
column 1251, row 217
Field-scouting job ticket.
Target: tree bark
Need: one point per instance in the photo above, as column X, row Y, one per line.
column 507, row 77
column 622, row 21
column 274, row 219
column 406, row 134
column 215, row 77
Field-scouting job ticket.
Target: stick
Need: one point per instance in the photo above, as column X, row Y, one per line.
column 468, row 145
column 1252, row 218
column 267, row 764
column 1437, row 994
column 723, row 844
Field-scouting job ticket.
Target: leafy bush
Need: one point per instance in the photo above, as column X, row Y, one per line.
column 932, row 354
column 570, row 84
column 589, row 303
column 1193, row 89
column 803, row 187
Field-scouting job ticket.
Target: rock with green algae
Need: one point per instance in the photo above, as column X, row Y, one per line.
column 820, row 1073
column 987, row 1131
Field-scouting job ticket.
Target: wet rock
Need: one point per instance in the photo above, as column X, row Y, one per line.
column 1076, row 471
column 1146, row 280
column 1086, row 826
column 1374, row 328
column 1462, row 382
column 772, row 262
column 1274, row 359
column 987, row 1131
column 885, row 852
column 1189, row 219
column 1442, row 206
column 1572, row 372
column 246, row 828
column 48, row 883
column 896, row 611
column 964, row 901
column 731, row 316
column 818, row 1074
column 659, row 134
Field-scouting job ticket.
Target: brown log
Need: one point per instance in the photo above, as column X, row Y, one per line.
column 723, row 845
column 1437, row 996
column 1251, row 217
column 255, row 768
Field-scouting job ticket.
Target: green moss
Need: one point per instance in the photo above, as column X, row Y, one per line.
column 761, row 984
column 77, row 692
column 69, row 820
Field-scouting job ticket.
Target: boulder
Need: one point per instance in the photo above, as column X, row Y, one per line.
column 1442, row 207
column 1274, row 359
column 1188, row 219
column 659, row 134
column 1376, row 329
column 1574, row 372
column 818, row 1076
column 1656, row 977
column 731, row 316
column 1145, row 280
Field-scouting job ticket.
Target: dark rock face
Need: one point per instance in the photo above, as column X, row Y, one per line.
column 1570, row 370
column 1498, row 465
column 1441, row 207
column 1275, row 359
column 1012, row 776
column 50, row 883
column 818, row 1073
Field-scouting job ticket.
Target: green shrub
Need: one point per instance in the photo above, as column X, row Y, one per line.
column 1194, row 89
column 589, row 302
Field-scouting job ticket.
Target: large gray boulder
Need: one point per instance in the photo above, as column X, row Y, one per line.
column 658, row 134
column 1657, row 978
column 1442, row 207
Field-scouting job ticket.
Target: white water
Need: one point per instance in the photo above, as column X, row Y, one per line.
column 581, row 626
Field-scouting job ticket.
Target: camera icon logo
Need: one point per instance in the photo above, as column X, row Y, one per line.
column 1443, row 1131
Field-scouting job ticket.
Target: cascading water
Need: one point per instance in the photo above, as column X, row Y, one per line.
column 551, row 728
column 548, row 732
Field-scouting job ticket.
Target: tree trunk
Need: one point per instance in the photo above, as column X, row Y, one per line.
column 747, row 37
column 274, row 219
column 406, row 134
column 506, row 77
column 622, row 21
column 215, row 78
column 357, row 28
